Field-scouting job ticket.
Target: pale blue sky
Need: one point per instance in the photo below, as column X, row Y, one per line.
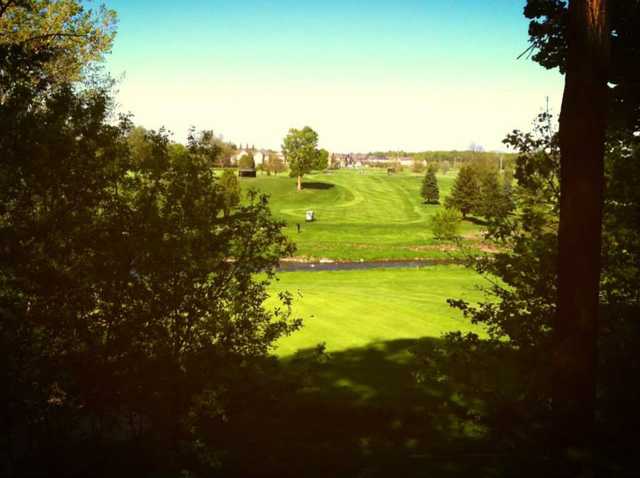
column 405, row 74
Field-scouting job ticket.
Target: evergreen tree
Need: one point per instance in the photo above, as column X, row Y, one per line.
column 490, row 200
column 430, row 192
column 465, row 192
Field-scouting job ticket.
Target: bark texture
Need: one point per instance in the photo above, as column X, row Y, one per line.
column 582, row 138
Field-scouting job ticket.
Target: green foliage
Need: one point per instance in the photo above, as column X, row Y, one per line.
column 230, row 185
column 73, row 35
column 445, row 224
column 130, row 304
column 210, row 147
column 300, row 149
column 430, row 191
column 322, row 161
column 247, row 162
column 465, row 193
column 548, row 37
column 511, row 372
column 495, row 201
column 275, row 164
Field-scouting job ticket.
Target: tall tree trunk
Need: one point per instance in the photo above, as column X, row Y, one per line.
column 299, row 183
column 582, row 136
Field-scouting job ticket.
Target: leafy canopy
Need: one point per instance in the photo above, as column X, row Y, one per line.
column 74, row 36
column 300, row 149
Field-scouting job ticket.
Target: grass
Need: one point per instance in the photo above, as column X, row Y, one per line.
column 361, row 411
column 350, row 309
column 366, row 215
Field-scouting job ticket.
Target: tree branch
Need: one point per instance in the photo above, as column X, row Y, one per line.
column 54, row 35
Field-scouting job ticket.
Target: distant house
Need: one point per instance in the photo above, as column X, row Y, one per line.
column 260, row 157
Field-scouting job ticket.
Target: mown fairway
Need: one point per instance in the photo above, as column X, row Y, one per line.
column 365, row 215
column 350, row 309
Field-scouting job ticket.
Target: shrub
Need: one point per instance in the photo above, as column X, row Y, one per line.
column 430, row 191
column 445, row 224
column 247, row 162
column 230, row 185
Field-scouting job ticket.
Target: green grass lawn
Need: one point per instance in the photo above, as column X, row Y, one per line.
column 361, row 411
column 360, row 215
column 349, row 309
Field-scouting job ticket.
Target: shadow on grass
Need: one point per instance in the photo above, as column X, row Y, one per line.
column 317, row 185
column 362, row 412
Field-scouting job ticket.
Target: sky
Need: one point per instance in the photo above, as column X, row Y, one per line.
column 374, row 75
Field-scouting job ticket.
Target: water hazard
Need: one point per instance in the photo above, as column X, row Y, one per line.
column 295, row 266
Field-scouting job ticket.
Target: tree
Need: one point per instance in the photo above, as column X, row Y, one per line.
column 275, row 164
column 582, row 137
column 73, row 36
column 322, row 161
column 128, row 289
column 522, row 311
column 209, row 146
column 300, row 148
column 139, row 145
column 247, row 162
column 494, row 202
column 430, row 191
column 548, row 35
column 465, row 192
column 230, row 185
column 577, row 40
column 129, row 303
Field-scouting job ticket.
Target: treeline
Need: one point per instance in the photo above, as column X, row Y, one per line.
column 479, row 190
column 454, row 158
column 483, row 192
